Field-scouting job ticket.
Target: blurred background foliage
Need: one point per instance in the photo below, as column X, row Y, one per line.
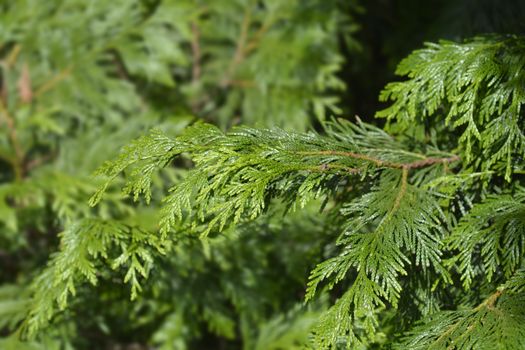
column 80, row 78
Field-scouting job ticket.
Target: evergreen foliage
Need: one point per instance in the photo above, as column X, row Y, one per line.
column 209, row 232
column 477, row 86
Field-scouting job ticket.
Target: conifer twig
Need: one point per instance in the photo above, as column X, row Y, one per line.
column 196, row 68
column 53, row 81
column 402, row 190
column 196, row 53
column 244, row 47
column 13, row 55
column 326, row 167
column 488, row 303
column 383, row 163
column 17, row 161
column 252, row 44
column 238, row 55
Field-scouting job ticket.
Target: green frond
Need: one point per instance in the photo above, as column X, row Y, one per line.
column 381, row 238
column 357, row 305
column 290, row 331
column 238, row 173
column 409, row 233
column 492, row 231
column 516, row 283
column 142, row 158
column 84, row 246
column 497, row 323
column 476, row 87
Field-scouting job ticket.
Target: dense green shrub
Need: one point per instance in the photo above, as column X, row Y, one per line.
column 407, row 231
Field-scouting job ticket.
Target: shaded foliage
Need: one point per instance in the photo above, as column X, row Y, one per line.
column 204, row 233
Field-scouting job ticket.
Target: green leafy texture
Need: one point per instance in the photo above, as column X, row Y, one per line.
column 65, row 91
column 268, row 62
column 497, row 323
column 150, row 153
column 61, row 103
column 476, row 87
column 490, row 236
column 83, row 246
column 79, row 78
column 69, row 69
column 516, row 283
column 68, row 78
column 287, row 332
column 238, row 173
column 229, row 281
column 195, row 286
column 173, row 333
column 13, row 305
column 380, row 255
column 12, row 343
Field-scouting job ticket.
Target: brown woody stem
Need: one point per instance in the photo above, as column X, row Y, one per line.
column 383, row 163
